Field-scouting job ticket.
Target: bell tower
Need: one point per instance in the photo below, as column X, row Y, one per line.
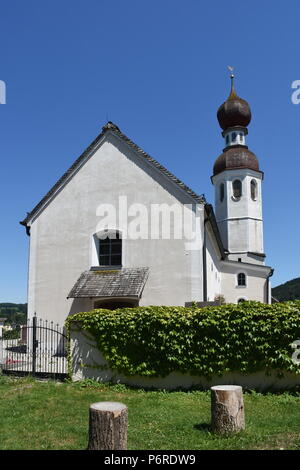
column 237, row 179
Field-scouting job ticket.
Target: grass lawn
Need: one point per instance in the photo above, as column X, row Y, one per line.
column 53, row 415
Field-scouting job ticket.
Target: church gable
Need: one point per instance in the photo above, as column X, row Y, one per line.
column 110, row 137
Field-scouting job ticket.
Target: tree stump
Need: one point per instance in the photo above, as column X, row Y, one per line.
column 227, row 409
column 108, row 424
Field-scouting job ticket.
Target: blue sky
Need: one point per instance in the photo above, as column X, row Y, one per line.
column 158, row 69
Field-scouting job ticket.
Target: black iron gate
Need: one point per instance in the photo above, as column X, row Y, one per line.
column 39, row 350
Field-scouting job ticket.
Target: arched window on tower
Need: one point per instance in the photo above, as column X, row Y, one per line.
column 237, row 189
column 253, row 186
column 222, row 192
column 233, row 136
column 241, row 279
column 227, row 140
column 110, row 248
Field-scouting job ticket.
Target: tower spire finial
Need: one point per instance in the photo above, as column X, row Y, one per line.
column 232, row 91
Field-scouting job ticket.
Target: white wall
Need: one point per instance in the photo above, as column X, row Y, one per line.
column 213, row 269
column 61, row 241
column 240, row 221
column 255, row 282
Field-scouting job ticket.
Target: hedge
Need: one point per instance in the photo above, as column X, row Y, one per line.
column 156, row 340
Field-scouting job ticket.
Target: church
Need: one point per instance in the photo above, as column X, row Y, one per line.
column 111, row 232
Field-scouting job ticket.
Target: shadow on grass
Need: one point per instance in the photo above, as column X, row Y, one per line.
column 206, row 427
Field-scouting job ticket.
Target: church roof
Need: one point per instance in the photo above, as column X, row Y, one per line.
column 234, row 111
column 111, row 127
column 235, row 157
column 110, row 282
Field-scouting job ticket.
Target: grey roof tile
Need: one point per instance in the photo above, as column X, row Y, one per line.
column 110, row 282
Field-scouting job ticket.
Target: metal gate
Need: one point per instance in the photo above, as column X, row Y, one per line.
column 40, row 350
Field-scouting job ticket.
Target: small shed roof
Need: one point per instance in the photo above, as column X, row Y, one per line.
column 110, row 282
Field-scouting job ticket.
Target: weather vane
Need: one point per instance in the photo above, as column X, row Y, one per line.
column 231, row 69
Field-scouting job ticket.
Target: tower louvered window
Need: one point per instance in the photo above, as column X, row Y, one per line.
column 237, row 189
column 222, row 192
column 253, row 190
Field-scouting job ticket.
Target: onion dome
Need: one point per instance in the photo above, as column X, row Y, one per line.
column 236, row 157
column 234, row 112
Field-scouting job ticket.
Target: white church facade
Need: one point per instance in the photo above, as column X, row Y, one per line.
column 81, row 257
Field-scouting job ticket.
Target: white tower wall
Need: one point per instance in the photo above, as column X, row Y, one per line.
column 240, row 218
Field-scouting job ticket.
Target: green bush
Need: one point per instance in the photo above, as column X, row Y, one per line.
column 11, row 334
column 154, row 341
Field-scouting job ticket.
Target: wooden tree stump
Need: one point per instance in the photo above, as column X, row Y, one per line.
column 227, row 409
column 108, row 424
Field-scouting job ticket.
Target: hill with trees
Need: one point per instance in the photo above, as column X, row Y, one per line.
column 14, row 313
column 288, row 291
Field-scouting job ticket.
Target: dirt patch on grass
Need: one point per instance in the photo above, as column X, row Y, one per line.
column 281, row 442
column 17, row 390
